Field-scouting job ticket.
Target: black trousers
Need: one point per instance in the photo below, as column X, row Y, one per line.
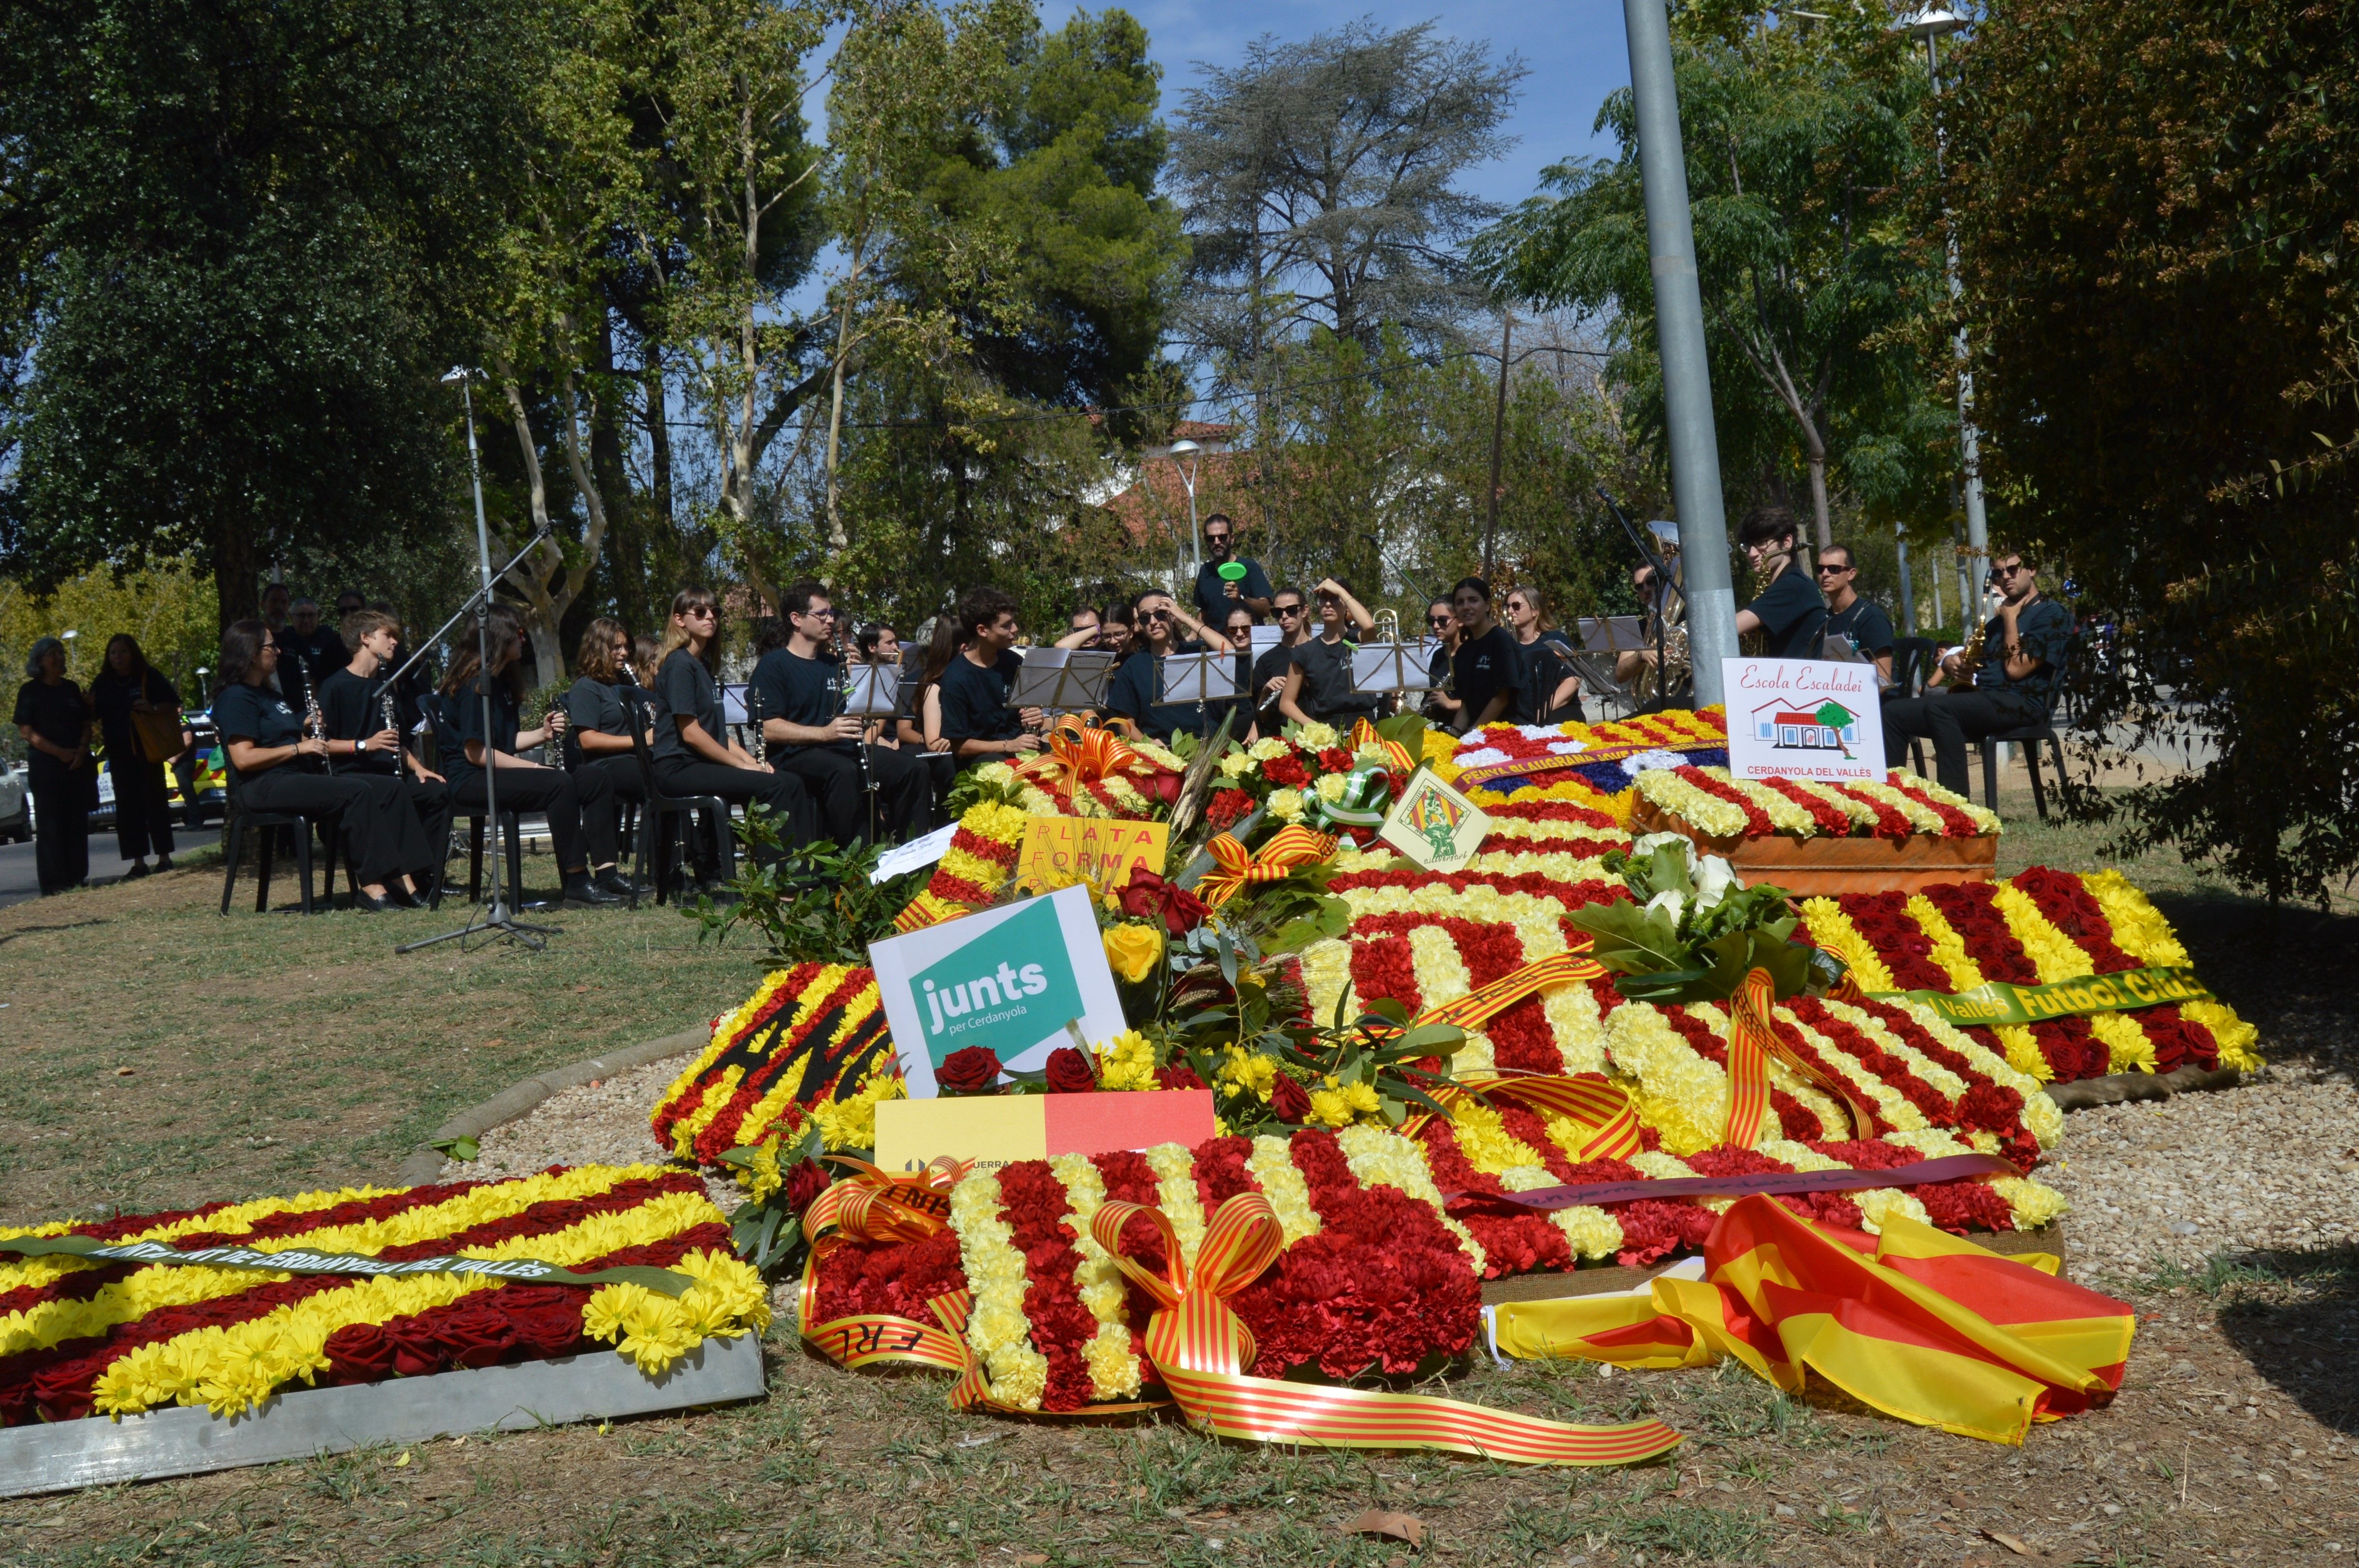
column 382, row 836
column 782, row 793
column 580, row 808
column 1950, row 720
column 832, row 776
column 142, row 807
column 60, row 821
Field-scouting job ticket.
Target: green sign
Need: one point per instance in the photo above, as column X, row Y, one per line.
column 1012, row 983
column 1999, row 1001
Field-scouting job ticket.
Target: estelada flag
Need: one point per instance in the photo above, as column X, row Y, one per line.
column 1918, row 1324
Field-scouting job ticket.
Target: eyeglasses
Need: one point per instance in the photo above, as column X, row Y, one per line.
column 1286, row 609
column 1826, row 570
column 827, row 615
column 2010, row 570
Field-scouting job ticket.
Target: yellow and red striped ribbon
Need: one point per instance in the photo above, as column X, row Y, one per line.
column 1587, row 1101
column 1751, row 1042
column 1364, row 735
column 876, row 1205
column 1233, row 869
column 1486, row 1003
column 1200, row 1349
column 1077, row 756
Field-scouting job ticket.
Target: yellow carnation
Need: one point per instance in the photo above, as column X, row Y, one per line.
column 1332, row 785
column 1236, row 764
column 1318, row 736
column 1285, row 804
column 1269, row 749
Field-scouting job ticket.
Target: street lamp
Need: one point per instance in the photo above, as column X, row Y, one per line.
column 1192, row 453
column 1931, row 26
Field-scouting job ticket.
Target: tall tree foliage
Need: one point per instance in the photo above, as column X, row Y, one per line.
column 248, row 238
column 1800, row 153
column 2154, row 214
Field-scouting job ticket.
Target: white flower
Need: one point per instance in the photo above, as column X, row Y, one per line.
column 1670, row 900
column 1539, row 731
column 1317, row 736
column 1645, row 844
column 1285, row 804
column 1567, row 748
column 1716, row 878
column 1480, row 757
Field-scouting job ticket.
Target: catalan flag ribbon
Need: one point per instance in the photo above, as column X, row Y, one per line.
column 1364, row 735
column 1753, row 1041
column 1487, row 1002
column 1200, row 1349
column 1234, row 867
column 1078, row 756
column 1918, row 1324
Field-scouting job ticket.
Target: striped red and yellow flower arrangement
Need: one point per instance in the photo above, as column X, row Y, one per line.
column 810, row 1047
column 81, row 1336
column 1719, row 805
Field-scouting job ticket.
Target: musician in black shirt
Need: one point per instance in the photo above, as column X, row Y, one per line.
column 974, row 688
column 353, row 703
column 798, row 689
column 1138, row 689
column 1265, row 682
column 1487, row 663
column 598, row 708
column 316, row 648
column 1319, row 686
column 693, row 753
column 123, row 685
column 271, row 762
column 1788, row 613
column 580, row 811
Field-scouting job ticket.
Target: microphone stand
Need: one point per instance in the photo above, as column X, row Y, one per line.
column 497, row 917
column 1665, row 586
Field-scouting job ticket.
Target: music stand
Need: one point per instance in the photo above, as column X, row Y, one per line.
column 1382, row 667
column 1063, row 680
column 874, row 691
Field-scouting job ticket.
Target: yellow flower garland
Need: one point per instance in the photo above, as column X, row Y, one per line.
column 1833, row 930
column 1949, row 956
column 1176, row 1194
column 998, row 1330
column 1379, row 1157
column 2056, row 957
column 1272, row 1165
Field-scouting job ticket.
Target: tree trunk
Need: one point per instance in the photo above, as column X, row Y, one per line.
column 839, row 540
column 1818, row 495
column 237, row 572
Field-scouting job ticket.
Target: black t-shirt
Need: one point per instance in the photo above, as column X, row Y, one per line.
column 594, row 705
column 110, row 702
column 1792, row 614
column 974, row 699
column 56, row 713
column 1866, row 624
column 1482, row 668
column 1542, row 668
column 2044, row 630
column 321, row 654
column 351, row 708
column 466, row 710
column 1327, row 695
column 1212, row 600
column 786, row 685
column 256, row 713
column 1270, row 667
column 689, row 691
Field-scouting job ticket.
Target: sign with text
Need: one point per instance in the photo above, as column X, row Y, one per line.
column 1007, row 978
column 1058, row 851
column 1803, row 718
column 999, row 1129
column 1434, row 826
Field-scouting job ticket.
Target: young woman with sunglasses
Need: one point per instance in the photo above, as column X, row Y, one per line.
column 1549, row 691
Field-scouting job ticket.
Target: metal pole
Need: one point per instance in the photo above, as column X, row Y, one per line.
column 1679, row 331
column 1908, row 594
column 1498, row 436
column 499, row 910
column 1969, row 439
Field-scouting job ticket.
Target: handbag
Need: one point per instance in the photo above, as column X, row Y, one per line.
column 158, row 732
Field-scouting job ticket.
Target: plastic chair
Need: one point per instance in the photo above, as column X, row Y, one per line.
column 268, row 823
column 659, row 820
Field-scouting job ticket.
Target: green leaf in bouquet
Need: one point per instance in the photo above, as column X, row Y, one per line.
column 1388, row 1010
column 1631, row 940
column 1665, row 985
column 1426, row 1037
column 1740, row 952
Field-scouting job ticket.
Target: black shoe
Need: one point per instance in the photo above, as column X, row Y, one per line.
column 364, row 903
column 580, row 889
column 163, row 863
column 138, row 869
column 397, row 897
column 621, row 886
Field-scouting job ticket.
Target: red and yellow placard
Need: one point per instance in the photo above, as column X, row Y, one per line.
column 1058, row 851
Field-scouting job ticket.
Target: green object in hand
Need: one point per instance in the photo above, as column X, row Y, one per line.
column 1231, row 571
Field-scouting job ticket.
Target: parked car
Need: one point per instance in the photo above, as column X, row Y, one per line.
column 15, row 804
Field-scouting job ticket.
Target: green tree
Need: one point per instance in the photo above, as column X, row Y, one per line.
column 1800, row 151
column 250, row 237
column 2154, row 214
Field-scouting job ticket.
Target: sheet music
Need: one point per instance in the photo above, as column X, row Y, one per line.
column 1063, row 680
column 873, row 692
column 732, row 704
column 1611, row 633
column 1392, row 666
column 1265, row 638
column 1199, row 677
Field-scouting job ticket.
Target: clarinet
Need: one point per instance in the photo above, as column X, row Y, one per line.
column 860, row 741
column 313, row 720
column 384, row 704
column 760, row 747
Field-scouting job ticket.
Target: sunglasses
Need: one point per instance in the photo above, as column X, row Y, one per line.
column 700, row 613
column 2009, row 570
column 1826, row 570
column 1287, row 609
column 1440, row 620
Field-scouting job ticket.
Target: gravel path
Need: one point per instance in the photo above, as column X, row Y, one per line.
column 2271, row 1166
column 2274, row 1164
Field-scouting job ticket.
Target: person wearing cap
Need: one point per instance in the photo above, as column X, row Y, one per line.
column 55, row 718
column 1217, row 589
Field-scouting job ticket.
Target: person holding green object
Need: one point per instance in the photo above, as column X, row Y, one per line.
column 1216, row 588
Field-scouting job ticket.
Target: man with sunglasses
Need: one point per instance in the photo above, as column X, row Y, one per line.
column 1849, row 615
column 1788, row 612
column 805, row 732
column 1216, row 594
column 2024, row 650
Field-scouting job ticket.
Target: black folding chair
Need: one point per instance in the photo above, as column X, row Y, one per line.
column 1912, row 666
column 240, row 819
column 447, row 744
column 659, row 818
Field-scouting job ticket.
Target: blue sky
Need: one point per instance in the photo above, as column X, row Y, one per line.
column 1576, row 54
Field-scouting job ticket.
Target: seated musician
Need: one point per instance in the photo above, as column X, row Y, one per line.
column 977, row 681
column 274, row 766
column 799, row 690
column 2012, row 683
column 600, row 709
column 580, row 811
column 353, row 702
column 693, row 753
column 1136, row 692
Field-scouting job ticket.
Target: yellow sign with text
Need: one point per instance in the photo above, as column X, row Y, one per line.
column 1059, row 851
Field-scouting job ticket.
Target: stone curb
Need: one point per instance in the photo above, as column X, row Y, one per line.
column 2118, row 1088
column 425, row 1163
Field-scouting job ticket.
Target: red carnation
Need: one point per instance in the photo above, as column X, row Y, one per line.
column 1227, row 806
column 1286, row 772
column 1070, row 1071
column 973, row 1071
column 806, row 1179
column 1334, row 760
column 1288, row 1099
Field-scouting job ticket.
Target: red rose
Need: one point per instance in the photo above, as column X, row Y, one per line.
column 1288, row 1099
column 1179, row 1077
column 474, row 1331
column 360, row 1353
column 415, row 1350
column 1070, row 1073
column 1148, row 896
column 546, row 1319
column 973, row 1071
column 808, row 1178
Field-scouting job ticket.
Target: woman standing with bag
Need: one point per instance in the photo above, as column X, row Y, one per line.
column 139, row 718
column 53, row 717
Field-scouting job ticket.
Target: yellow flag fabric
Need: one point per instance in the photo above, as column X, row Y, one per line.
column 1918, row 1324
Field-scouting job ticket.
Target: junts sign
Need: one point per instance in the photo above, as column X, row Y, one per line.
column 1008, row 979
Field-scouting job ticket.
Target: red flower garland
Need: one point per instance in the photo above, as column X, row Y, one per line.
column 1891, row 822
column 1828, row 818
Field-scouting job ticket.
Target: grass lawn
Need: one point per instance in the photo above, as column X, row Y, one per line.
column 269, row 1054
